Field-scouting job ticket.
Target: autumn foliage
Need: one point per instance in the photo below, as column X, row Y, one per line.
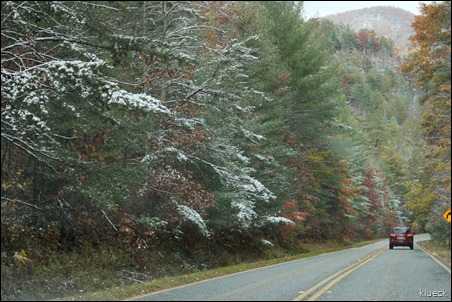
column 429, row 66
column 199, row 134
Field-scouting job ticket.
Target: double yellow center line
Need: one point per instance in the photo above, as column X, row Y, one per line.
column 333, row 279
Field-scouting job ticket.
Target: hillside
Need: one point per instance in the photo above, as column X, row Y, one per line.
column 157, row 139
column 395, row 23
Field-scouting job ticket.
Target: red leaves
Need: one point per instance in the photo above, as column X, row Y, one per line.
column 363, row 39
column 292, row 211
column 297, row 217
column 290, row 204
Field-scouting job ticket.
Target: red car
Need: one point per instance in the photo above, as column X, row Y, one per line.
column 401, row 236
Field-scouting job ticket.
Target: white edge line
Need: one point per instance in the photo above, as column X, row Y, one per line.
column 434, row 258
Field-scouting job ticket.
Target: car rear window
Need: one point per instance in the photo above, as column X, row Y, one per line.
column 400, row 230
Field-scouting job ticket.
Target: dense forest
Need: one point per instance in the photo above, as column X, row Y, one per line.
column 389, row 21
column 201, row 133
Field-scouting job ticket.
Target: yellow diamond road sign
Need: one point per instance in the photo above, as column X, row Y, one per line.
column 446, row 215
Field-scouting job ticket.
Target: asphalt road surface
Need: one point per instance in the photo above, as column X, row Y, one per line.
column 369, row 273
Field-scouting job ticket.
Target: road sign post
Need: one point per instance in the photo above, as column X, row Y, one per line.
column 446, row 216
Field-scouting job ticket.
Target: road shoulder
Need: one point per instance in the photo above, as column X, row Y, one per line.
column 440, row 258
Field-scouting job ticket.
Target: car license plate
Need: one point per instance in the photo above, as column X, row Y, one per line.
column 400, row 237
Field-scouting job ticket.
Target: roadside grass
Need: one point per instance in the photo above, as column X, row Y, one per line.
column 142, row 288
column 439, row 251
column 110, row 274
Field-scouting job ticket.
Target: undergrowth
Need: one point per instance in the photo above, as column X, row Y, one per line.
column 86, row 273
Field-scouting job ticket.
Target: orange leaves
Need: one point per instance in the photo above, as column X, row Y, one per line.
column 184, row 134
column 284, row 78
column 189, row 140
column 21, row 258
column 91, row 148
column 126, row 224
column 345, row 196
column 291, row 139
column 189, row 109
column 124, row 229
column 446, row 88
column 217, row 15
column 350, row 192
column 431, row 65
column 162, row 70
column 10, row 207
column 293, row 212
column 290, row 204
column 431, row 42
column 431, row 26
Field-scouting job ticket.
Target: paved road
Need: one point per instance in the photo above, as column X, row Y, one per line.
column 368, row 273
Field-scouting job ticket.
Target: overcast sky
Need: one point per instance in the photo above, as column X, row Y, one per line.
column 323, row 8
